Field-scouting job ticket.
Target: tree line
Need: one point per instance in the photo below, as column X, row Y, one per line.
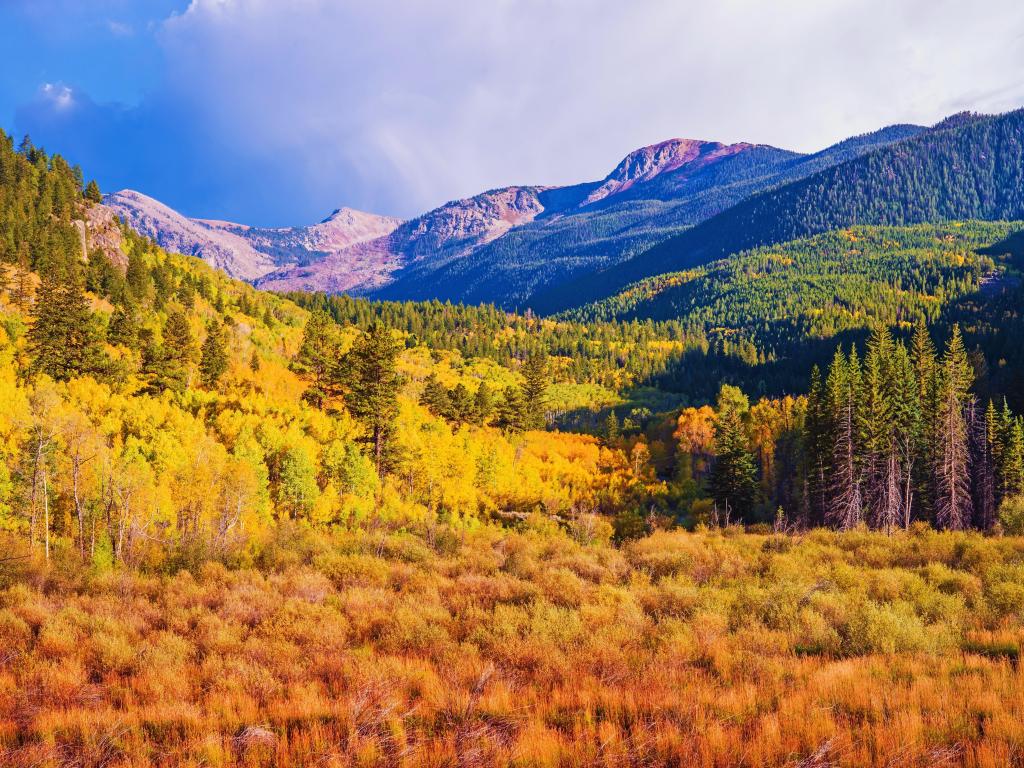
column 883, row 438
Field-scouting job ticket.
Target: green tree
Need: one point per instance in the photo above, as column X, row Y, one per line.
column 511, row 410
column 1012, row 468
column 462, row 404
column 733, row 480
column 92, row 192
column 167, row 365
column 297, row 489
column 611, row 427
column 435, row 397
column 953, row 504
column 213, row 359
column 137, row 276
column 371, row 382
column 64, row 339
column 483, row 404
column 123, row 328
column 535, row 387
column 317, row 358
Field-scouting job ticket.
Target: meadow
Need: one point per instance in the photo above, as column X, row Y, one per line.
column 479, row 645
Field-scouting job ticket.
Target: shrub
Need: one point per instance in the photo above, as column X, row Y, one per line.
column 1011, row 515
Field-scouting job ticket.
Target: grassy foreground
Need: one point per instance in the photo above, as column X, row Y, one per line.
column 491, row 647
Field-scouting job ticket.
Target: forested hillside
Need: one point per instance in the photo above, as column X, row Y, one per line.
column 970, row 168
column 238, row 529
column 567, row 242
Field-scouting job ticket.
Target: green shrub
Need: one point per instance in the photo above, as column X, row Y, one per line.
column 1011, row 515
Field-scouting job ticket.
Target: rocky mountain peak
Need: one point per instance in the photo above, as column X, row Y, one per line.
column 642, row 165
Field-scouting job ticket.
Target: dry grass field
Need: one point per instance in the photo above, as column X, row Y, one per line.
column 492, row 647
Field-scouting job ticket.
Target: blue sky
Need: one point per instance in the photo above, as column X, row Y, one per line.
column 272, row 112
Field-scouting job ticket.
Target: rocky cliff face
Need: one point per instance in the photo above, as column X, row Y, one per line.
column 437, row 237
column 646, row 163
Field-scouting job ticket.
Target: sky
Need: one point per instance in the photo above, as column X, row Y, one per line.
column 275, row 113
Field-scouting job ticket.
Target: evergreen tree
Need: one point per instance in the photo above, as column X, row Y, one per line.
column 611, row 427
column 845, row 505
column 137, row 276
column 92, row 192
column 213, row 359
column 63, row 339
column 512, row 410
column 123, row 329
column 254, row 362
column 435, row 397
column 923, row 358
column 953, row 505
column 167, row 365
column 733, row 481
column 461, row 404
column 368, row 373
column 983, row 479
column 483, row 404
column 819, row 442
column 1013, row 461
column 317, row 358
column 879, row 460
column 535, row 386
column 902, row 390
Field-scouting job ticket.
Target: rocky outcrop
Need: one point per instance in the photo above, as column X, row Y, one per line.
column 644, row 164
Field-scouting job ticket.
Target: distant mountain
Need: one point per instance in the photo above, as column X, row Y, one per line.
column 967, row 167
column 655, row 193
column 505, row 245
column 250, row 253
column 431, row 248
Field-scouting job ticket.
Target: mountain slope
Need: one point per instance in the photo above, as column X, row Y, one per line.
column 966, row 167
column 504, row 245
column 249, row 253
column 643, row 209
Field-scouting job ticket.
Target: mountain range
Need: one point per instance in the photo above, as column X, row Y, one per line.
column 669, row 206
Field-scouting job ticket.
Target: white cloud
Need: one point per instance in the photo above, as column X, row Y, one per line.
column 399, row 105
column 59, row 96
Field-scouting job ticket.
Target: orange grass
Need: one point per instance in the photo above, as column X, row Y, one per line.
column 521, row 648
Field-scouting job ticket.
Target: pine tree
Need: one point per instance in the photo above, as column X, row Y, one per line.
column 995, row 434
column 983, row 480
column 819, row 442
column 123, row 328
column 92, row 192
column 511, row 410
column 535, row 386
column 435, row 397
column 1013, row 460
column 137, row 276
column 64, row 338
column 879, row 459
column 371, row 381
column 611, row 427
column 846, row 505
column 483, row 404
column 461, row 404
column 902, row 390
column 923, row 358
column 953, row 505
column 213, row 359
column 167, row 365
column 254, row 362
column 21, row 286
column 733, row 481
column 317, row 358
